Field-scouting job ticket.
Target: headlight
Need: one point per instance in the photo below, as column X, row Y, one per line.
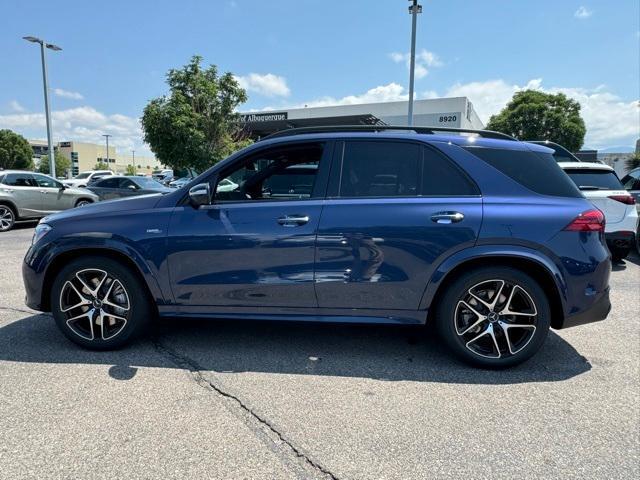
column 41, row 230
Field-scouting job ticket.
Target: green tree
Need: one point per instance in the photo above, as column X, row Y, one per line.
column 534, row 115
column 196, row 125
column 15, row 151
column 63, row 164
column 101, row 166
column 632, row 162
column 131, row 170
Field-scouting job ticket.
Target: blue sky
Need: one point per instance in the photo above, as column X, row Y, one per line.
column 290, row 53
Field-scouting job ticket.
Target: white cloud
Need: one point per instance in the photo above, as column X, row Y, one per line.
column 269, row 85
column 425, row 60
column 610, row 121
column 583, row 12
column 82, row 124
column 15, row 106
column 384, row 93
column 67, row 94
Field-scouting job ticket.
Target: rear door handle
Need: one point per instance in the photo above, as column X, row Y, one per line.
column 293, row 220
column 447, row 217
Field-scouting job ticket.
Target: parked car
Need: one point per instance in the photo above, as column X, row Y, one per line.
column 560, row 153
column 631, row 182
column 600, row 184
column 163, row 176
column 479, row 233
column 117, row 186
column 83, row 179
column 28, row 195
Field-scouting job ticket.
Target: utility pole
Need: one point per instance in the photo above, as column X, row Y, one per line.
column 414, row 10
column 106, row 136
column 55, row 48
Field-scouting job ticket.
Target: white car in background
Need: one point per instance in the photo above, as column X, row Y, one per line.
column 600, row 184
column 84, row 178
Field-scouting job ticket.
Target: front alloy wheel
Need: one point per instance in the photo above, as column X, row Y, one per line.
column 494, row 317
column 95, row 304
column 99, row 303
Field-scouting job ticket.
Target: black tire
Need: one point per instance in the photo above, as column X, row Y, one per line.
column 91, row 332
column 82, row 202
column 619, row 253
column 7, row 218
column 448, row 318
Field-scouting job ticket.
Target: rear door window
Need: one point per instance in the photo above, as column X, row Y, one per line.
column 441, row 178
column 594, row 179
column 20, row 180
column 108, row 183
column 536, row 171
column 380, row 169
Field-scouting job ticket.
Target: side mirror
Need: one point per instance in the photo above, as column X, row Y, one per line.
column 132, row 187
column 200, row 194
column 63, row 186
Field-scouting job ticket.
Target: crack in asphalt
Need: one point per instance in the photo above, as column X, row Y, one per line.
column 186, row 363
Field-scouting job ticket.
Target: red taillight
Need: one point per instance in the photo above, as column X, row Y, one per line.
column 589, row 221
column 626, row 199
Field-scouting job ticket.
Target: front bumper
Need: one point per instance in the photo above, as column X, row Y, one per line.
column 597, row 312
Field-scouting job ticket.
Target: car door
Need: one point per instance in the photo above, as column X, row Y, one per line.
column 248, row 249
column 52, row 193
column 23, row 190
column 394, row 210
column 106, row 189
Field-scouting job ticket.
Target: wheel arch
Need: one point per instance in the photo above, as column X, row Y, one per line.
column 61, row 259
column 541, row 270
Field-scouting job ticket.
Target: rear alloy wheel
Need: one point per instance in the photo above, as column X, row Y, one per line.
column 7, row 218
column 82, row 203
column 99, row 304
column 494, row 317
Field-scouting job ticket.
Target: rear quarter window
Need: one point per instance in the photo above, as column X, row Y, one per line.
column 536, row 171
column 594, row 179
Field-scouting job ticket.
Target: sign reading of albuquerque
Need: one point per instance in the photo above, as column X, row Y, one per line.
column 264, row 117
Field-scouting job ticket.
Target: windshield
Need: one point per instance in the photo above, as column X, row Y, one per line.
column 595, row 179
column 146, row 182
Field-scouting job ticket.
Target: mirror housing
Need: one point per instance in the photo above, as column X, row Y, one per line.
column 200, row 195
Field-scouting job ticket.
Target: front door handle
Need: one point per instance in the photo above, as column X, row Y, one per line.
column 447, row 217
column 293, row 220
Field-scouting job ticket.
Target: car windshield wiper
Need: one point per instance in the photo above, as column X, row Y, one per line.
column 591, row 187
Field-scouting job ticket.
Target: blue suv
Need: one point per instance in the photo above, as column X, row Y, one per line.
column 479, row 233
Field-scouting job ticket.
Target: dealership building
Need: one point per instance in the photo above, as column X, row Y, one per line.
column 455, row 112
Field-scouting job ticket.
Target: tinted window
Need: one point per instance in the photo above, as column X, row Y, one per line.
column 380, row 169
column 108, row 183
column 632, row 181
column 126, row 183
column 594, row 179
column 536, row 171
column 20, row 180
column 441, row 178
column 292, row 180
column 47, row 182
column 146, row 182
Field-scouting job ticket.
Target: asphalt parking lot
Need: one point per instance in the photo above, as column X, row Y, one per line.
column 199, row 399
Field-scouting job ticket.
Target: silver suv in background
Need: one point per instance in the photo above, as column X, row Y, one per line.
column 85, row 178
column 28, row 195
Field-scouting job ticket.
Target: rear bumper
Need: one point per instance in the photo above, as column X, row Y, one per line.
column 620, row 239
column 598, row 311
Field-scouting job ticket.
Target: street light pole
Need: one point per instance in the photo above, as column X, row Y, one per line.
column 55, row 48
column 106, row 136
column 414, row 10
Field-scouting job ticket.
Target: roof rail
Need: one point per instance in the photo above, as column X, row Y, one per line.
column 381, row 128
